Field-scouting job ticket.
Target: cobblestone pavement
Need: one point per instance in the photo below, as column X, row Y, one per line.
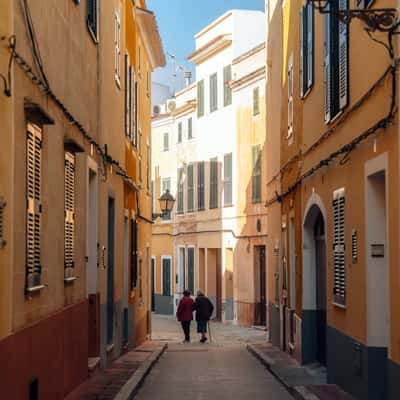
column 221, row 370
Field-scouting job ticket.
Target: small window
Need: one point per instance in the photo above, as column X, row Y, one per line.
column 213, row 92
column 200, row 98
column 180, row 132
column 92, row 17
column 227, row 88
column 256, row 101
column 166, row 141
column 190, row 128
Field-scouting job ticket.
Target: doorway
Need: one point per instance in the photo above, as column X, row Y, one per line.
column 314, row 321
column 260, row 286
column 110, row 271
column 126, row 280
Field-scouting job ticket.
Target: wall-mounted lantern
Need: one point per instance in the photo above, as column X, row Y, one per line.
column 166, row 202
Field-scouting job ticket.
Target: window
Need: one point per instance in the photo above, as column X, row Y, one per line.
column 256, row 101
column 180, row 132
column 256, row 178
column 290, row 97
column 134, row 110
column 117, row 44
column 190, row 128
column 153, row 197
column 166, row 141
column 228, row 179
column 127, row 95
column 336, row 70
column 200, row 185
column 69, row 214
column 34, row 207
column 134, row 253
column 339, row 262
column 190, row 188
column 306, row 48
column 140, row 170
column 166, row 276
column 130, row 101
column 200, row 98
column 213, row 92
column 227, row 88
column 92, row 17
column 166, row 185
column 140, row 280
column 360, row 4
column 148, row 170
column 191, row 273
column 180, row 191
column 214, row 183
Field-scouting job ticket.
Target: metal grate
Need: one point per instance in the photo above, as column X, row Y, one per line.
column 69, row 212
column 339, row 289
column 354, row 246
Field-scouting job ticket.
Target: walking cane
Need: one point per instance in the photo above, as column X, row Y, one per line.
column 209, row 331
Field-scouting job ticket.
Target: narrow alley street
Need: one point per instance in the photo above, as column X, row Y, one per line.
column 223, row 369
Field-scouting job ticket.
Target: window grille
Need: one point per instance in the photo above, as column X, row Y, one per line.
column 339, row 286
column 34, row 207
column 69, row 214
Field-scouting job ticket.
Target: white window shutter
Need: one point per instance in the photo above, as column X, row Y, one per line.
column 33, row 217
column 69, row 224
column 343, row 59
column 339, row 264
column 327, row 65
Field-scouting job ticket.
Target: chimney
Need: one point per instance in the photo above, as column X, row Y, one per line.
column 188, row 76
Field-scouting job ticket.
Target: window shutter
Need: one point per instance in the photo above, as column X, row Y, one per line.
column 92, row 16
column 200, row 98
column 166, row 141
column 190, row 188
column 166, row 276
column 180, row 191
column 228, row 179
column 134, row 253
column 69, row 214
column 135, row 110
column 180, row 132
column 117, row 45
column 190, row 128
column 200, row 185
column 256, row 101
column 339, row 288
column 127, row 95
column 310, row 44
column 131, row 107
column 213, row 92
column 33, row 217
column 227, row 88
column 256, row 179
column 343, row 59
column 290, row 97
column 303, row 52
column 191, row 273
column 327, row 65
column 214, row 183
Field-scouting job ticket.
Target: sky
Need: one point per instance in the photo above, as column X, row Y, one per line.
column 178, row 22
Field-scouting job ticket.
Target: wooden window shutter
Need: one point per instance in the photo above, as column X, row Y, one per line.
column 200, row 98
column 180, row 132
column 117, row 47
column 134, row 258
column 256, row 178
column 213, row 92
column 228, row 179
column 227, row 88
column 135, row 111
column 327, row 65
column 200, row 185
column 69, row 214
column 127, row 95
column 190, row 188
column 34, row 207
column 339, row 263
column 303, row 51
column 214, row 183
column 343, row 70
column 166, row 267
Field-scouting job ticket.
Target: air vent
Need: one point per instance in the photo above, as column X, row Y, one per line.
column 2, row 206
column 156, row 110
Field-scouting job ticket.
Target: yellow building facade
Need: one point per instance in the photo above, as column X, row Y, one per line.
column 332, row 195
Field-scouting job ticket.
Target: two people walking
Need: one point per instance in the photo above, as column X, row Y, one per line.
column 204, row 309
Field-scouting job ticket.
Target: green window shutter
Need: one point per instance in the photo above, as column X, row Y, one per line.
column 166, row 141
column 256, row 178
column 227, row 88
column 33, row 217
column 343, row 70
column 191, row 271
column 69, row 214
column 327, row 65
column 228, row 179
column 180, row 132
column 256, row 101
column 180, row 191
column 190, row 128
column 213, row 92
column 339, row 259
column 214, row 183
column 127, row 96
column 166, row 274
column 200, row 185
column 200, row 98
column 190, row 188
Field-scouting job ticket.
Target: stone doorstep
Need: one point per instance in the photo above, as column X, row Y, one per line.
column 132, row 386
column 301, row 381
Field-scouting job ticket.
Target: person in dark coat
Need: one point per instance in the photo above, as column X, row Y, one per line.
column 204, row 309
column 184, row 313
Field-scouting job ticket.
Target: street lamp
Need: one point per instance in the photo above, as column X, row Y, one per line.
column 166, row 202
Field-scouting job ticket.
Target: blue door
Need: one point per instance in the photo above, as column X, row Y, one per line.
column 110, row 271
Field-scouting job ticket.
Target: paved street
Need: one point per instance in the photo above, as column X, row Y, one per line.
column 217, row 371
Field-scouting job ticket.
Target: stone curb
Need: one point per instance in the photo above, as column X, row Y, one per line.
column 301, row 394
column 131, row 387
